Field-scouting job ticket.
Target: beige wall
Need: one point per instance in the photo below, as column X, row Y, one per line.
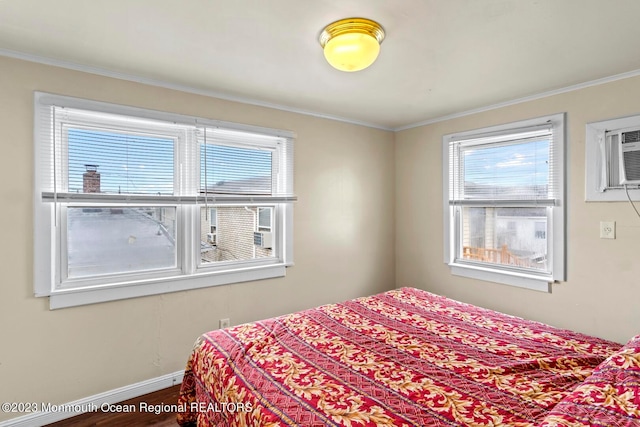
column 602, row 293
column 343, row 238
column 349, row 241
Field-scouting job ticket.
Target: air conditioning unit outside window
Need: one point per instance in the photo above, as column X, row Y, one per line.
column 629, row 157
column 263, row 239
column 211, row 238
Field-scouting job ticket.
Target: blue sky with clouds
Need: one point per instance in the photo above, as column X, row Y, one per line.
column 522, row 164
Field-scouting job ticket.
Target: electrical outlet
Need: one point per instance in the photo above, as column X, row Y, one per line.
column 224, row 323
column 607, row 229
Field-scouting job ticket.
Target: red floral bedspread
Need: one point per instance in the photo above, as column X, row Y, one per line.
column 401, row 358
column 609, row 397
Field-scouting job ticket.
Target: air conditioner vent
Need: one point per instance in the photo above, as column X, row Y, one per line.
column 263, row 239
column 629, row 137
column 632, row 165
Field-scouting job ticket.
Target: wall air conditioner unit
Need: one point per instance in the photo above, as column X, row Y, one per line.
column 629, row 157
column 211, row 238
column 263, row 239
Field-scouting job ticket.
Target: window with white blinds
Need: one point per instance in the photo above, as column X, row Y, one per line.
column 129, row 163
column 124, row 198
column 504, row 197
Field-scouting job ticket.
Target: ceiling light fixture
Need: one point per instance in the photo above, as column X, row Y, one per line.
column 352, row 44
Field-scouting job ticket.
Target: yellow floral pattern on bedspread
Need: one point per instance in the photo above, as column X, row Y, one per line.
column 609, row 397
column 401, row 358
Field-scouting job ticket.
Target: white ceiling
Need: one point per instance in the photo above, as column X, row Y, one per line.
column 440, row 57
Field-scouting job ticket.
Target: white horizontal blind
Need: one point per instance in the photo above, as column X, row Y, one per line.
column 99, row 157
column 108, row 161
column 98, row 154
column 508, row 169
column 233, row 162
column 245, row 163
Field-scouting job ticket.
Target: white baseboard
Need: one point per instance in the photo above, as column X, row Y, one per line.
column 96, row 401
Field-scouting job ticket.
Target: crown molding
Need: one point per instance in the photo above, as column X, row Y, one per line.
column 249, row 101
column 182, row 88
column 546, row 94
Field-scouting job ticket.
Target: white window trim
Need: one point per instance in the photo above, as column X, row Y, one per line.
column 557, row 235
column 47, row 224
column 75, row 297
column 596, row 164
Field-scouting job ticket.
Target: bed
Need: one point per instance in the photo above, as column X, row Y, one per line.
column 407, row 357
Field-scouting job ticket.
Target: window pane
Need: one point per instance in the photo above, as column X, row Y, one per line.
column 102, row 161
column 508, row 236
column 507, row 171
column 120, row 240
column 264, row 219
column 226, row 169
column 235, row 238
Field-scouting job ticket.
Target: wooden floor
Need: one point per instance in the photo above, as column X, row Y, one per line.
column 167, row 396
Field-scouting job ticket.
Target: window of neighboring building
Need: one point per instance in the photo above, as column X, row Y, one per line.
column 213, row 220
column 504, row 202
column 132, row 202
column 541, row 230
column 212, row 235
column 264, row 219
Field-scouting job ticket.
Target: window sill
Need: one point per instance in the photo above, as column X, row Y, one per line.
column 527, row 281
column 76, row 297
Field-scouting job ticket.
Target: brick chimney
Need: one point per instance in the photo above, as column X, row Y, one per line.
column 91, row 179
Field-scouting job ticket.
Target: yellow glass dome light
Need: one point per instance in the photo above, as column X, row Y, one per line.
column 352, row 44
